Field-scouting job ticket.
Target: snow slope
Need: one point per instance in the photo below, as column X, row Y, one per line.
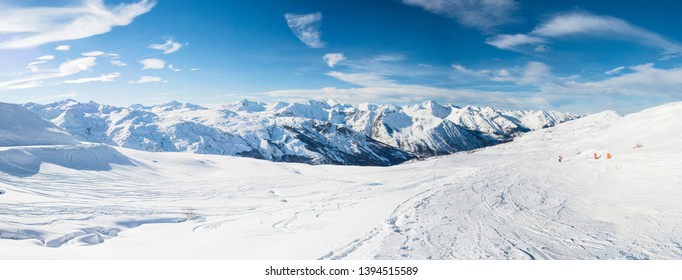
column 20, row 127
column 314, row 132
column 510, row 201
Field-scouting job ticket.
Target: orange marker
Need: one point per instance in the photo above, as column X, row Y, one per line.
column 595, row 156
column 608, row 155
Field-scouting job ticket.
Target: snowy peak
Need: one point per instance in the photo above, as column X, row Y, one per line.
column 433, row 108
column 246, row 106
column 311, row 110
column 174, row 105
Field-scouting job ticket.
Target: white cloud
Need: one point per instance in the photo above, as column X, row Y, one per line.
column 93, row 53
column 484, row 15
column 67, row 68
column 467, row 71
column 510, row 42
column 503, row 73
column 540, row 48
column 333, row 58
column 29, row 27
column 362, row 79
column 614, row 70
column 152, row 63
column 147, row 79
column 46, row 57
column 70, row 94
column 63, row 48
column 374, row 88
column 102, row 78
column 535, row 73
column 585, row 24
column 77, row 65
column 307, row 28
column 32, row 68
column 168, row 47
column 32, row 84
column 171, row 67
column 389, row 57
column 37, row 62
column 645, row 80
column 194, row 69
column 118, row 63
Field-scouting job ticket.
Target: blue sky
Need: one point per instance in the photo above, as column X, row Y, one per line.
column 575, row 56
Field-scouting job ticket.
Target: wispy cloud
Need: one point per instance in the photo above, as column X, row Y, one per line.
column 93, row 53
column 614, row 70
column 33, row 65
column 644, row 80
column 168, row 47
column 147, row 79
column 307, row 28
column 374, row 87
column 32, row 68
column 152, row 63
column 511, row 42
column 389, row 58
column 37, row 62
column 32, row 84
column 172, row 68
column 34, row 26
column 102, row 78
column 540, row 87
column 67, row 68
column 333, row 58
column 533, row 73
column 63, row 48
column 45, row 57
column 468, row 71
column 571, row 25
column 484, row 15
column 69, row 94
column 118, row 63
column 641, row 80
column 362, row 79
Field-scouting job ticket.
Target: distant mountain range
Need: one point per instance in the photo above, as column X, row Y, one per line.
column 316, row 132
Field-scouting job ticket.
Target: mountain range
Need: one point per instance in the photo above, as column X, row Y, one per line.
column 316, row 132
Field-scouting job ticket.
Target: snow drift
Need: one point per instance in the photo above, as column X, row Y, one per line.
column 27, row 141
column 21, row 127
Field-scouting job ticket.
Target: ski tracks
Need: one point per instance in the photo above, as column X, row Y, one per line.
column 491, row 214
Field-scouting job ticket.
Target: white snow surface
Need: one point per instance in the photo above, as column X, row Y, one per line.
column 358, row 135
column 510, row 201
column 20, row 127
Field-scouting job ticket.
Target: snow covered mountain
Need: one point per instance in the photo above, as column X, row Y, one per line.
column 314, row 132
column 509, row 201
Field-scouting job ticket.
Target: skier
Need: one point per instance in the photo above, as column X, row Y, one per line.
column 560, row 158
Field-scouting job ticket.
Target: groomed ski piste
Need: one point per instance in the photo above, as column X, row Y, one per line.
column 64, row 200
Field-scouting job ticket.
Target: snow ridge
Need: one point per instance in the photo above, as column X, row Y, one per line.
column 20, row 127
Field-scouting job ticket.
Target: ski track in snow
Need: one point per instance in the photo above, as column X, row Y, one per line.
column 511, row 201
